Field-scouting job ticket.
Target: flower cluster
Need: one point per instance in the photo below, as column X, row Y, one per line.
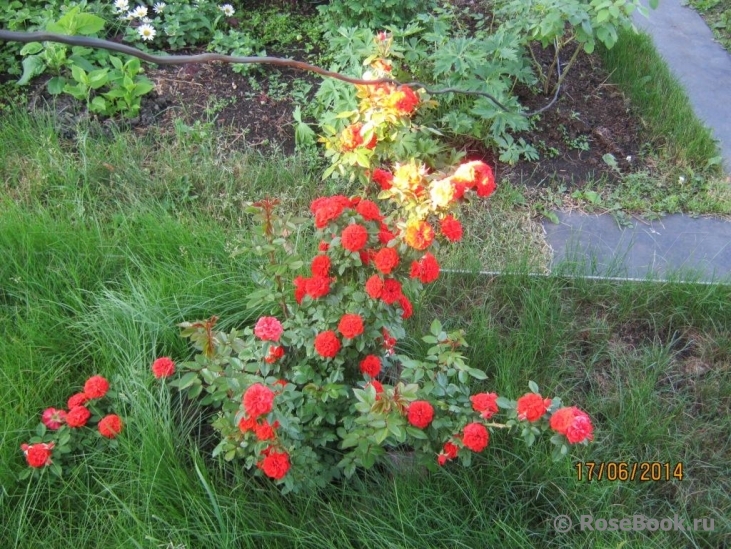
column 62, row 430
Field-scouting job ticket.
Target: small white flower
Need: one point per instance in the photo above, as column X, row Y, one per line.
column 121, row 5
column 146, row 20
column 227, row 9
column 157, row 8
column 147, row 32
column 139, row 12
column 681, row 179
column 629, row 158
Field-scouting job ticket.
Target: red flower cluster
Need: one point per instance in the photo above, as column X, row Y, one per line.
column 320, row 266
column 110, row 426
column 389, row 343
column 162, row 367
column 391, row 291
column 532, row 406
column 371, row 366
column 328, row 208
column 374, row 287
column 77, row 417
column 404, row 100
column 368, row 210
column 351, row 325
column 327, row 344
column 426, row 269
column 53, row 419
column 385, row 235
column 420, row 414
column 451, row 229
column 79, row 399
column 419, row 235
column 38, row 455
column 352, row 138
column 474, row 175
column 96, row 387
column 386, row 260
column 275, row 353
column 475, row 437
column 377, row 385
column 315, row 287
column 406, row 306
column 383, row 178
column 275, row 464
column 485, row 403
column 573, row 423
column 449, row 452
column 354, row 237
column 268, row 328
column 258, row 400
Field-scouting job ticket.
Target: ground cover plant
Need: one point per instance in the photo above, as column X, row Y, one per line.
column 717, row 14
column 113, row 238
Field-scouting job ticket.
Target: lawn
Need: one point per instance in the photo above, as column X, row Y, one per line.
column 110, row 237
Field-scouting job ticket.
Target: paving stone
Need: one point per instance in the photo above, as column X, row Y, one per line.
column 676, row 246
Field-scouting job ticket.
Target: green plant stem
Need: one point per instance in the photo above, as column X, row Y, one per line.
column 577, row 51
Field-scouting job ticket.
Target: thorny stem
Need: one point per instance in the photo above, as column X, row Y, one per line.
column 497, row 425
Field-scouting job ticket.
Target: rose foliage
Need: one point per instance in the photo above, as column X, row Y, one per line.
column 317, row 387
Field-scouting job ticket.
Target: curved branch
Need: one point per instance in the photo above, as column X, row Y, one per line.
column 41, row 36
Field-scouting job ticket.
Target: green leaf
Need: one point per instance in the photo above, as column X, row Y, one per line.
column 82, row 62
column 79, row 74
column 187, row 380
column 477, row 374
column 98, row 78
column 88, row 24
column 533, row 386
column 98, row 105
column 503, row 402
column 31, row 48
column 143, row 87
column 32, row 67
column 116, row 62
column 55, row 85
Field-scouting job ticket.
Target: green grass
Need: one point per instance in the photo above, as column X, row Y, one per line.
column 660, row 101
column 717, row 14
column 99, row 265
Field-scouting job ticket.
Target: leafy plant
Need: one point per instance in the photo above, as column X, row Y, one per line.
column 373, row 15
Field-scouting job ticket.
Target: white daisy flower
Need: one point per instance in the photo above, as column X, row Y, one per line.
column 146, row 20
column 139, row 12
column 227, row 9
column 121, row 5
column 157, row 8
column 147, row 32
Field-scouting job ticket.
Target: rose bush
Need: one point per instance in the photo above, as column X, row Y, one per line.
column 335, row 393
column 87, row 424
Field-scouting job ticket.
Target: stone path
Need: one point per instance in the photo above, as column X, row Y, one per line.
column 677, row 247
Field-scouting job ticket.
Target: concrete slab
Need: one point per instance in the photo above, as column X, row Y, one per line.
column 676, row 246
column 702, row 65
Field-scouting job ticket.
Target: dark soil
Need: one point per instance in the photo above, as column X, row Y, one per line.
column 590, row 118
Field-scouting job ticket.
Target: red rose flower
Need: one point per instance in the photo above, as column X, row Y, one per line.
column 406, row 306
column 79, row 399
column 247, row 424
column 386, row 260
column 478, row 175
column 265, row 431
column 573, row 423
column 275, row 465
column 369, row 210
column 391, row 291
column 96, row 387
column 388, row 342
column 77, row 417
column 374, row 286
column 300, row 291
column 110, row 426
column 162, row 367
column 317, row 286
column 475, row 437
column 532, row 406
column 258, row 400
column 354, row 237
column 38, row 455
column 376, row 385
column 485, row 403
column 351, row 325
column 448, row 452
column 419, row 235
column 275, row 353
column 405, row 100
column 320, row 265
column 371, row 365
column 351, row 137
column 327, row 344
column 53, row 419
column 323, row 246
column 268, row 328
column 329, row 210
column 426, row 269
column 383, row 178
column 451, row 229
column 420, row 414
column 385, row 235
